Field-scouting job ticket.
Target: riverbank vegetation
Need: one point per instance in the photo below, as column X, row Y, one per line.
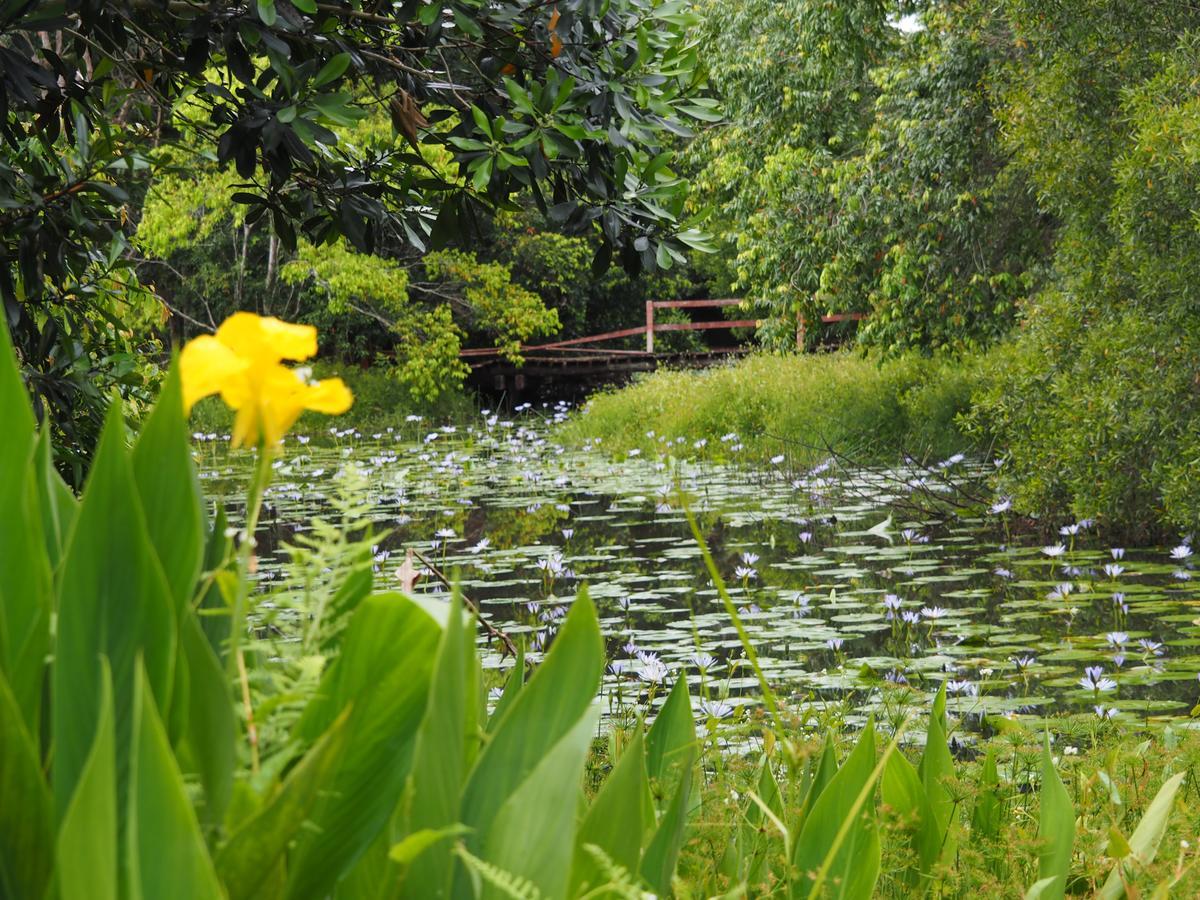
column 800, row 407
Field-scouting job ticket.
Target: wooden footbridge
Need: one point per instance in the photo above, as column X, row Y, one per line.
column 581, row 360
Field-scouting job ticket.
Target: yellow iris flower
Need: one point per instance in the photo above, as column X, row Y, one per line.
column 242, row 363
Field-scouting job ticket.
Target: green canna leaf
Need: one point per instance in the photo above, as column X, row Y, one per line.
column 26, row 588
column 25, row 594
column 1143, row 843
column 113, row 601
column 936, row 770
column 382, row 676
column 902, row 790
column 672, row 738
column 167, row 853
column 26, row 832
column 826, row 767
column 440, row 761
column 512, row 687
column 532, row 835
column 662, row 852
column 613, row 821
column 985, row 818
column 254, row 852
column 210, row 731
column 854, row 864
column 87, row 833
column 58, row 504
column 1056, row 830
column 170, row 491
column 546, row 709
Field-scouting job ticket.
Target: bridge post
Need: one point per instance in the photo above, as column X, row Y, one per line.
column 649, row 326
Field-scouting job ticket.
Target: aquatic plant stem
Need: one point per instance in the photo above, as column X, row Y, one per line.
column 246, row 565
column 731, row 610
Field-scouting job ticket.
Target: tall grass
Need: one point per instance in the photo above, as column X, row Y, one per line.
column 801, row 406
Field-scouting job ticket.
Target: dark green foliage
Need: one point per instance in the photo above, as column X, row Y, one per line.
column 574, row 105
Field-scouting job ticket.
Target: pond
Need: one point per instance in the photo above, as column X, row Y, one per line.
column 856, row 585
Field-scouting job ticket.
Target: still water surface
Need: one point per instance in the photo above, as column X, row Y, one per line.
column 855, row 584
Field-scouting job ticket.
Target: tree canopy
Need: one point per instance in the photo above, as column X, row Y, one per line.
column 575, row 104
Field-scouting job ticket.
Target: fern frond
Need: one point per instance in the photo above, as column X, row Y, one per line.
column 513, row 886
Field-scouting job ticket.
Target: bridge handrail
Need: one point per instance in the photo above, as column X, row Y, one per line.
column 651, row 327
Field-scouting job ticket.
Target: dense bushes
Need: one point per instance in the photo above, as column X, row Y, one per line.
column 803, row 406
column 1097, row 401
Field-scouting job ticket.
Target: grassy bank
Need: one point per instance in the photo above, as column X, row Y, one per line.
column 379, row 402
column 801, row 406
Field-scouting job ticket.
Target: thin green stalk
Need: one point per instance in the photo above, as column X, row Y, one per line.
column 867, row 790
column 731, row 609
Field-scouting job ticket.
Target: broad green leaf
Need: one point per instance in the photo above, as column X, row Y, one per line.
column 672, row 737
column 332, row 70
column 215, row 605
column 211, row 731
column 113, row 601
column 87, row 832
column 551, row 704
column 25, row 599
column 440, row 760
column 855, row 862
column 382, row 675
column 822, row 774
column 15, row 410
column 167, row 853
column 1143, row 843
column 248, row 859
column 170, row 491
column 613, row 821
column 936, row 770
column 532, row 834
column 26, row 588
column 1056, row 830
column 985, row 818
column 662, row 852
column 267, row 12
column 58, row 504
column 902, row 790
column 170, row 495
column 26, row 832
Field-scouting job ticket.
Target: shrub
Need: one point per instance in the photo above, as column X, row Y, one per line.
column 803, row 406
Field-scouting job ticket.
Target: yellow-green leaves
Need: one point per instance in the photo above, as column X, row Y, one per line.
column 937, row 770
column 26, row 832
column 113, row 601
column 166, row 852
column 838, row 847
column 1142, row 845
column 1056, row 832
column 87, row 832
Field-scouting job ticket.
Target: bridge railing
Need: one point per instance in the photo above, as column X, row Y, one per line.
column 652, row 327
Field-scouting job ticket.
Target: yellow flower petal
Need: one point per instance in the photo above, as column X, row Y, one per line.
column 330, row 396
column 207, row 366
column 290, row 341
column 267, row 340
column 245, row 426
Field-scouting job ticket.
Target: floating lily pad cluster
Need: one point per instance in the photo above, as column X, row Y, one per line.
column 848, row 593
